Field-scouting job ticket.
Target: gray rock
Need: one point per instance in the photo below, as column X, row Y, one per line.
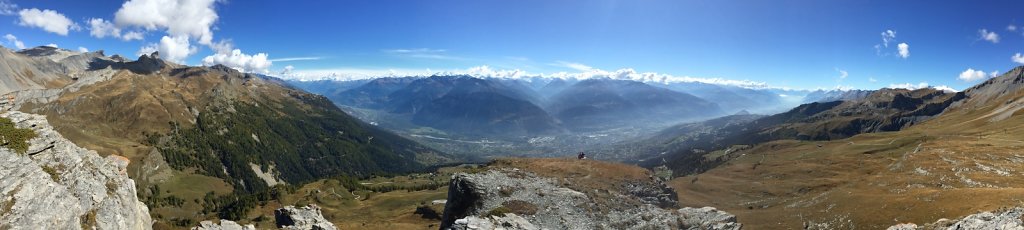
column 708, row 218
column 58, row 185
column 1008, row 219
column 509, row 221
column 512, row 199
column 223, row 225
column 304, row 218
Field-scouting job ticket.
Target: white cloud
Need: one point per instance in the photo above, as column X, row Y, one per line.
column 192, row 18
column 842, row 74
column 888, row 36
column 922, row 85
column 83, row 49
column 946, row 88
column 132, row 35
column 904, row 50
column 52, row 45
column 573, row 65
column 974, row 75
column 984, row 34
column 1011, row 27
column 101, row 28
column 257, row 63
column 174, row 49
column 14, row 41
column 48, row 20
column 1018, row 58
column 287, row 70
column 8, row 8
column 909, row 86
column 871, row 79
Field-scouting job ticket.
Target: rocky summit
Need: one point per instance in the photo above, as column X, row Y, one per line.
column 511, row 195
column 58, row 185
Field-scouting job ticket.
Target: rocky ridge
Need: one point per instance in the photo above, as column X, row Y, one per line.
column 510, row 198
column 58, row 185
column 304, row 218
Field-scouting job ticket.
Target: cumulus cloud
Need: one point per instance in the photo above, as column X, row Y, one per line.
column 83, row 49
column 1018, row 58
column 888, row 36
column 990, row 36
column 871, row 79
column 174, row 49
column 48, row 20
column 903, row 50
column 192, row 18
column 1011, row 27
column 573, row 65
column 257, row 63
column 8, row 8
column 11, row 39
column 974, row 75
column 132, row 35
column 101, row 28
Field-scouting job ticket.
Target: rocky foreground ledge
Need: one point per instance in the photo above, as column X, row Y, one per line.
column 1006, row 219
column 570, row 194
column 58, row 185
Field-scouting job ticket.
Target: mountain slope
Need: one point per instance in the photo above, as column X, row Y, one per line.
column 883, row 110
column 460, row 104
column 959, row 162
column 23, row 72
column 237, row 133
column 371, row 95
column 601, row 103
column 730, row 98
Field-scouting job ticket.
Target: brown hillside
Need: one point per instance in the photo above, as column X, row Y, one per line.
column 956, row 164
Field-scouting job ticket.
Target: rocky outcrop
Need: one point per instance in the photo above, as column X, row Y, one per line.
column 1007, row 219
column 58, row 185
column 223, row 225
column 305, row 218
column 516, row 199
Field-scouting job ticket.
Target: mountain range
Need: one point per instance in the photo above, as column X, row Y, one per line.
column 210, row 129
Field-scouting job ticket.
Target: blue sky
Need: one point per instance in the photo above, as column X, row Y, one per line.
column 798, row 44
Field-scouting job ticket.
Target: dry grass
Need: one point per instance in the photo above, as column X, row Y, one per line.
column 590, row 174
column 948, row 167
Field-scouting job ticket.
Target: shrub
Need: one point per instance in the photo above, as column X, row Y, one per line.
column 13, row 137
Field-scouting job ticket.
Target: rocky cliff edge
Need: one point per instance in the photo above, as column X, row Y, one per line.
column 58, row 185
